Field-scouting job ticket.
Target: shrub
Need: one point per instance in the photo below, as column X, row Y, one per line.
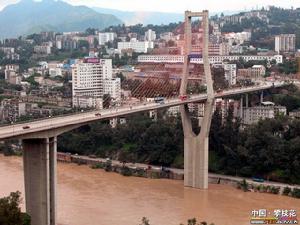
column 140, row 173
column 145, row 221
column 125, row 171
column 108, row 166
column 155, row 175
column 260, row 188
column 194, row 222
column 286, row 191
column 243, row 185
column 79, row 163
column 296, row 193
column 266, row 188
column 26, row 219
column 274, row 190
column 97, row 166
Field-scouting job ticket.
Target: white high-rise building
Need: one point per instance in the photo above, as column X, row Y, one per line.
column 87, row 80
column 107, row 68
column 167, row 36
column 136, row 46
column 106, row 37
column 42, row 49
column 150, row 35
column 238, row 38
column 92, row 78
column 258, row 71
column 285, row 43
column 230, row 73
column 224, row 48
column 12, row 74
column 113, row 88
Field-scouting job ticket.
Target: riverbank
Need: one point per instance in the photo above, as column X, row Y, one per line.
column 155, row 172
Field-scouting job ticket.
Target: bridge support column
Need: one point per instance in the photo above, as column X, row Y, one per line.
column 241, row 107
column 113, row 122
column 261, row 96
column 39, row 157
column 226, row 103
column 153, row 115
column 196, row 146
column 247, row 100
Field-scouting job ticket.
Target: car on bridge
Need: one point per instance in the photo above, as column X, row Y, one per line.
column 98, row 114
column 183, row 97
column 219, row 91
column 26, row 127
column 160, row 100
column 194, row 56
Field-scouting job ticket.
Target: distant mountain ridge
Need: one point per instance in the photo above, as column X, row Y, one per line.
column 145, row 18
column 29, row 16
column 155, row 18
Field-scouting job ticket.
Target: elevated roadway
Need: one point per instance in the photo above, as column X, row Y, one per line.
column 68, row 122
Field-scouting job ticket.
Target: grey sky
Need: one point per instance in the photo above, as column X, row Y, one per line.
column 177, row 5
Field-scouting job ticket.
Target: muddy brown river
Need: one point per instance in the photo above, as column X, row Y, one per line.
column 95, row 197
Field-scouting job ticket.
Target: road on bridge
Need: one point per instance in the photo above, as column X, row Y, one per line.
column 19, row 130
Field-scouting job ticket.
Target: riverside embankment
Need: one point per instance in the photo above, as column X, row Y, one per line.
column 150, row 171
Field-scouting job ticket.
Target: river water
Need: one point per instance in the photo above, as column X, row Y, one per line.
column 95, row 197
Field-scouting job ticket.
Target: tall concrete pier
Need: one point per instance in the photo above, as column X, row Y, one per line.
column 40, row 179
column 196, row 146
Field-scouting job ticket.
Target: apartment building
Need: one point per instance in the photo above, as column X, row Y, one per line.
column 150, row 35
column 106, row 37
column 87, row 83
column 92, row 78
column 12, row 74
column 136, row 46
column 285, row 43
column 265, row 110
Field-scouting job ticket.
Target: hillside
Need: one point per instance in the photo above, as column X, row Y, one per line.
column 270, row 23
column 146, row 18
column 28, row 16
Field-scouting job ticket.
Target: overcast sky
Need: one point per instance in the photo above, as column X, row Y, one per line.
column 177, row 5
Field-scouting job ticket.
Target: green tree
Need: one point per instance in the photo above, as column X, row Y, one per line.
column 83, row 44
column 90, row 31
column 145, row 221
column 288, row 67
column 121, row 76
column 10, row 212
column 7, row 149
column 32, row 81
column 194, row 222
column 219, row 78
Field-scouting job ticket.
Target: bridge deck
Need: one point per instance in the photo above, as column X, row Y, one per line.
column 17, row 130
